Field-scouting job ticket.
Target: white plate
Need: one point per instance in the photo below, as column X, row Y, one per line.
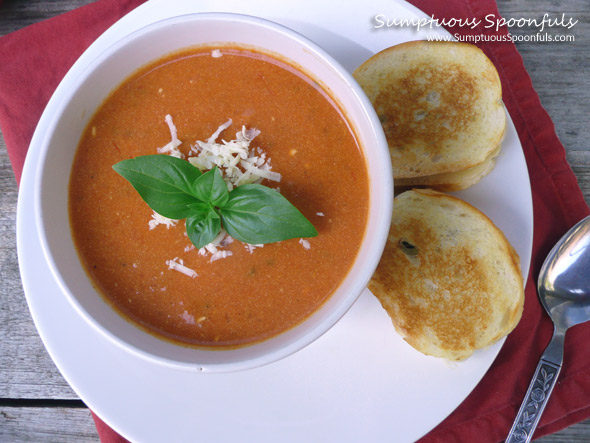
column 359, row 382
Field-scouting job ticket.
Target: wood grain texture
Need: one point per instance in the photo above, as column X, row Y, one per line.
column 46, row 424
column 559, row 71
column 559, row 74
column 27, row 371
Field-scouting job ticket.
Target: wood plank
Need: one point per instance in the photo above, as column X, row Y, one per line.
column 579, row 432
column 46, row 424
column 16, row 14
column 558, row 69
column 27, row 370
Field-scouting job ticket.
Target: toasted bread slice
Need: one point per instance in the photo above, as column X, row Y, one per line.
column 449, row 279
column 451, row 181
column 440, row 104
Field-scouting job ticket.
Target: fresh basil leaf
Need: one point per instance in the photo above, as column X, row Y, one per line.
column 199, row 208
column 211, row 188
column 165, row 183
column 250, row 213
column 256, row 214
column 202, row 228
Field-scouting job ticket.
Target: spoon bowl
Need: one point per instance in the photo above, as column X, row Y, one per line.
column 563, row 287
column 564, row 291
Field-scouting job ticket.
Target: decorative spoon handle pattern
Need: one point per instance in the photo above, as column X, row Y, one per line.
column 534, row 402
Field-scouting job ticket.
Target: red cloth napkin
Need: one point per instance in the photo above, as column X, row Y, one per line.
column 41, row 54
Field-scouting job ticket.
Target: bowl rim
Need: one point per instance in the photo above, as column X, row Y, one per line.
column 378, row 242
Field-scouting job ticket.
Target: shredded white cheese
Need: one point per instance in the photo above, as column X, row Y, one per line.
column 260, row 172
column 178, row 265
column 250, row 248
column 226, row 241
column 188, row 318
column 237, row 163
column 235, row 160
column 158, row 219
column 220, row 129
column 222, row 240
column 319, row 214
column 304, row 243
column 220, row 254
column 172, row 147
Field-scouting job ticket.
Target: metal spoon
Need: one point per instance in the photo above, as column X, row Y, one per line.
column 564, row 290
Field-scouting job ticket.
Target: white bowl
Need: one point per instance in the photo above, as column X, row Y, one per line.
column 106, row 72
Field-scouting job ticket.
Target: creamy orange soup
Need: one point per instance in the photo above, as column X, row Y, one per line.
column 250, row 295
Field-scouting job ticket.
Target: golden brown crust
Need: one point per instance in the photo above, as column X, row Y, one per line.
column 450, row 181
column 448, row 278
column 439, row 104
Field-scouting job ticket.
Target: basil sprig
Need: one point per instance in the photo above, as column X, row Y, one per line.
column 251, row 213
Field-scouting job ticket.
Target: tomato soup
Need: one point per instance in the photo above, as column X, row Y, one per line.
column 254, row 293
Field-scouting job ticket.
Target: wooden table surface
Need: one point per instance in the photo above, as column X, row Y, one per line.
column 36, row 404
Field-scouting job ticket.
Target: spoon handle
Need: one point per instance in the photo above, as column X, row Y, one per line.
column 539, row 390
